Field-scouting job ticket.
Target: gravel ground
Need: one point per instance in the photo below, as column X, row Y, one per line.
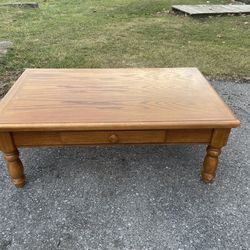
column 132, row 197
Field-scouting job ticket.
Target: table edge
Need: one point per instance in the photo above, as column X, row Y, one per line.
column 120, row 126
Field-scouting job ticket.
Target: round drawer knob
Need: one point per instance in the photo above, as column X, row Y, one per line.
column 113, row 138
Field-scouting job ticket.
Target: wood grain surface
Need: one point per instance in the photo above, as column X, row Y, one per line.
column 110, row 99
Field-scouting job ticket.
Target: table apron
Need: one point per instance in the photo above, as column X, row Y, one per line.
column 62, row 138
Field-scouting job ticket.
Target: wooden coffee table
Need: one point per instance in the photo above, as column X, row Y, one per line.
column 61, row 107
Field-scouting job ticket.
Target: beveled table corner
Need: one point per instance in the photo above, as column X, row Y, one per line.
column 62, row 107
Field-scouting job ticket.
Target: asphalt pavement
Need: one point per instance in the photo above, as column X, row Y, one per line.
column 132, row 197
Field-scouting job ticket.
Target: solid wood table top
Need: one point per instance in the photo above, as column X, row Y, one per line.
column 99, row 99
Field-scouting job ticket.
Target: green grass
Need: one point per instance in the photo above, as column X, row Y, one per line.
column 122, row 33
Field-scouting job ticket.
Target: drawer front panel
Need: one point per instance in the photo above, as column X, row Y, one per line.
column 113, row 137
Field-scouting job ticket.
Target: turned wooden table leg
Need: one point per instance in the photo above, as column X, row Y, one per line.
column 218, row 140
column 11, row 155
column 15, row 168
column 210, row 164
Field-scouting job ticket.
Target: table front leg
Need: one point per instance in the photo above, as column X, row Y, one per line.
column 218, row 140
column 210, row 164
column 11, row 155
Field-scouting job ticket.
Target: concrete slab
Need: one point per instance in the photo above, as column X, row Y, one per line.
column 199, row 10
column 4, row 46
column 20, row 5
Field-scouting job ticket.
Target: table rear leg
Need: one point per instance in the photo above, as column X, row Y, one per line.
column 11, row 155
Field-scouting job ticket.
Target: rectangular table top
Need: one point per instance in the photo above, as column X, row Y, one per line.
column 99, row 99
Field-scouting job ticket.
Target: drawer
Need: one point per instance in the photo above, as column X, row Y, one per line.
column 88, row 137
column 113, row 137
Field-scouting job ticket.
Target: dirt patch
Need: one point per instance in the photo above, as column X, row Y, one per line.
column 7, row 80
